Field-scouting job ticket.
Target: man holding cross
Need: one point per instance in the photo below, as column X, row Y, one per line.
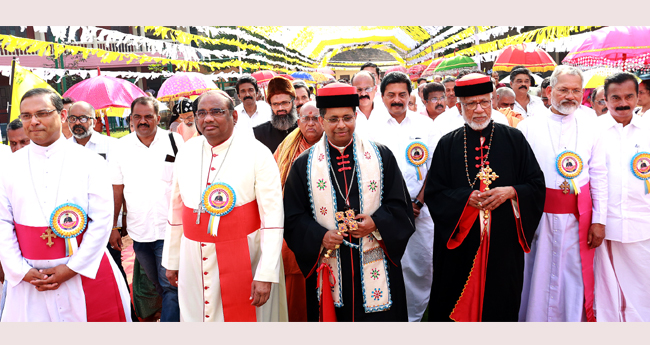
column 224, row 238
column 348, row 219
column 486, row 199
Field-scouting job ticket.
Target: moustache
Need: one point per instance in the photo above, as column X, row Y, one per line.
column 78, row 127
column 523, row 87
column 440, row 106
column 568, row 101
column 396, row 105
column 248, row 97
column 143, row 125
column 604, row 110
column 362, row 97
column 627, row 107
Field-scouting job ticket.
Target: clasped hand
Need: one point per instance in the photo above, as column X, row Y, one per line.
column 49, row 278
column 491, row 199
column 365, row 226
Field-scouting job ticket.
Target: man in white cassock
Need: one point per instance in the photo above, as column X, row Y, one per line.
column 51, row 182
column 621, row 263
column 559, row 276
column 411, row 138
column 224, row 239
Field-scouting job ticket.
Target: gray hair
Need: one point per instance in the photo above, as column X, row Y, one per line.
column 505, row 91
column 564, row 69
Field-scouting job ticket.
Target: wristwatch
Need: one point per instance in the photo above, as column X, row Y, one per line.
column 418, row 203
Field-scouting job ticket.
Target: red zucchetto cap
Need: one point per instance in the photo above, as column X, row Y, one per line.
column 337, row 95
column 473, row 84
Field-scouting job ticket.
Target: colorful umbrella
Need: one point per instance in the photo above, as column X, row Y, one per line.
column 263, row 77
column 528, row 55
column 455, row 63
column 185, row 84
column 302, row 75
column 319, row 77
column 624, row 47
column 325, row 70
column 103, row 91
column 432, row 66
column 285, row 76
column 396, row 69
column 596, row 77
column 416, row 71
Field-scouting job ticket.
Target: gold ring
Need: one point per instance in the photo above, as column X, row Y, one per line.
column 479, row 204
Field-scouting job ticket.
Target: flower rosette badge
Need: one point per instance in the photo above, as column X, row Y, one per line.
column 641, row 168
column 68, row 221
column 218, row 199
column 416, row 155
column 569, row 165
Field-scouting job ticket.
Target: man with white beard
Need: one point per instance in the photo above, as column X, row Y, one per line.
column 284, row 117
column 559, row 277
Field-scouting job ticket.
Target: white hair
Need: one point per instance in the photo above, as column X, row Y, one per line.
column 564, row 69
column 505, row 91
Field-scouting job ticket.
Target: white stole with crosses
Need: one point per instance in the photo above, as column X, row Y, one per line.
column 369, row 172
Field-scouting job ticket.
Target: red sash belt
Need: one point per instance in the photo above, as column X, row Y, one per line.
column 33, row 247
column 581, row 207
column 103, row 301
column 231, row 245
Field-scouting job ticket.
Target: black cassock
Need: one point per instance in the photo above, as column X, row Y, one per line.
column 394, row 220
column 270, row 136
column 447, row 193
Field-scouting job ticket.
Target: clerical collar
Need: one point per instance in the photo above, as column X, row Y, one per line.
column 340, row 148
column 52, row 148
column 224, row 145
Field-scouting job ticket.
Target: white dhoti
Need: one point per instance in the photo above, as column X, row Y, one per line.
column 417, row 266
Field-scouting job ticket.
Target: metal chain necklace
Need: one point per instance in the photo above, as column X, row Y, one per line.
column 354, row 171
column 31, row 176
column 215, row 175
column 471, row 184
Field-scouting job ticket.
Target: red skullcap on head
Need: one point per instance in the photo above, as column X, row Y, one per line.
column 337, row 95
column 473, row 84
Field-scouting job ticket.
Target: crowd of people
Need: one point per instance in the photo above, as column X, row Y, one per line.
column 460, row 200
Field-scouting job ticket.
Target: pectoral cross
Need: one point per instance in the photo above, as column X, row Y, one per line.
column 487, row 176
column 345, row 222
column 48, row 235
column 198, row 212
column 565, row 187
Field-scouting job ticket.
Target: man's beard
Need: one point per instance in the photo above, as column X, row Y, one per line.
column 476, row 126
column 565, row 107
column 87, row 132
column 284, row 122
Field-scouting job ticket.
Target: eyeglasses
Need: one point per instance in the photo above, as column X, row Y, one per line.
column 472, row 105
column 281, row 104
column 367, row 90
column 437, row 99
column 336, row 120
column 601, row 102
column 564, row 92
column 308, row 119
column 139, row 117
column 25, row 117
column 214, row 112
column 82, row 119
column 519, row 81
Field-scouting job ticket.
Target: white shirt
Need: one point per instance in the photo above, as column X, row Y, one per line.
column 101, row 144
column 587, row 112
column 535, row 106
column 262, row 114
column 365, row 124
column 147, row 180
column 628, row 209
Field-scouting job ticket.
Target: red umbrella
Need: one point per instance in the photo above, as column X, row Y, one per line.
column 264, row 76
column 396, row 69
column 325, row 70
column 528, row 55
column 432, row 66
column 416, row 71
column 286, row 76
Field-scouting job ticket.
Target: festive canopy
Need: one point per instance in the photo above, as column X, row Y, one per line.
column 103, row 91
column 455, row 63
column 185, row 84
column 528, row 55
column 624, row 47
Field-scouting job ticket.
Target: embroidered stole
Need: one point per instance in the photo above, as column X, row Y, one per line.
column 322, row 195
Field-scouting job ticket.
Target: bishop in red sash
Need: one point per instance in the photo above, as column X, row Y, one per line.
column 486, row 197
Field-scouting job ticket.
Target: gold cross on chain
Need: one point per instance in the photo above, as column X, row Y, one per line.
column 48, row 235
column 487, row 176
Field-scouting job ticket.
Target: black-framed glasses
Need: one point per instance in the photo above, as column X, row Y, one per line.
column 214, row 112
column 473, row 105
column 24, row 117
column 82, row 118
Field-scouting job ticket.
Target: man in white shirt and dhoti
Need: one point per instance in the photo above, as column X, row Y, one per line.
column 224, row 239
column 621, row 263
column 558, row 277
column 58, row 198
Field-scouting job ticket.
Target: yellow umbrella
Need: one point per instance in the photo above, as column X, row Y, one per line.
column 319, row 77
column 596, row 77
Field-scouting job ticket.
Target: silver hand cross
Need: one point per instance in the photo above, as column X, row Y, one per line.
column 198, row 212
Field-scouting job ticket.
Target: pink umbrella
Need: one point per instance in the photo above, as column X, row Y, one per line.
column 185, row 84
column 103, row 92
column 416, row 71
column 285, row 76
column 624, row 47
column 432, row 66
column 325, row 70
column 396, row 69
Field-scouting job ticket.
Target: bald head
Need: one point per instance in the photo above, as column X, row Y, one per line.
column 83, row 107
column 309, row 123
column 80, row 119
column 505, row 98
column 309, row 109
